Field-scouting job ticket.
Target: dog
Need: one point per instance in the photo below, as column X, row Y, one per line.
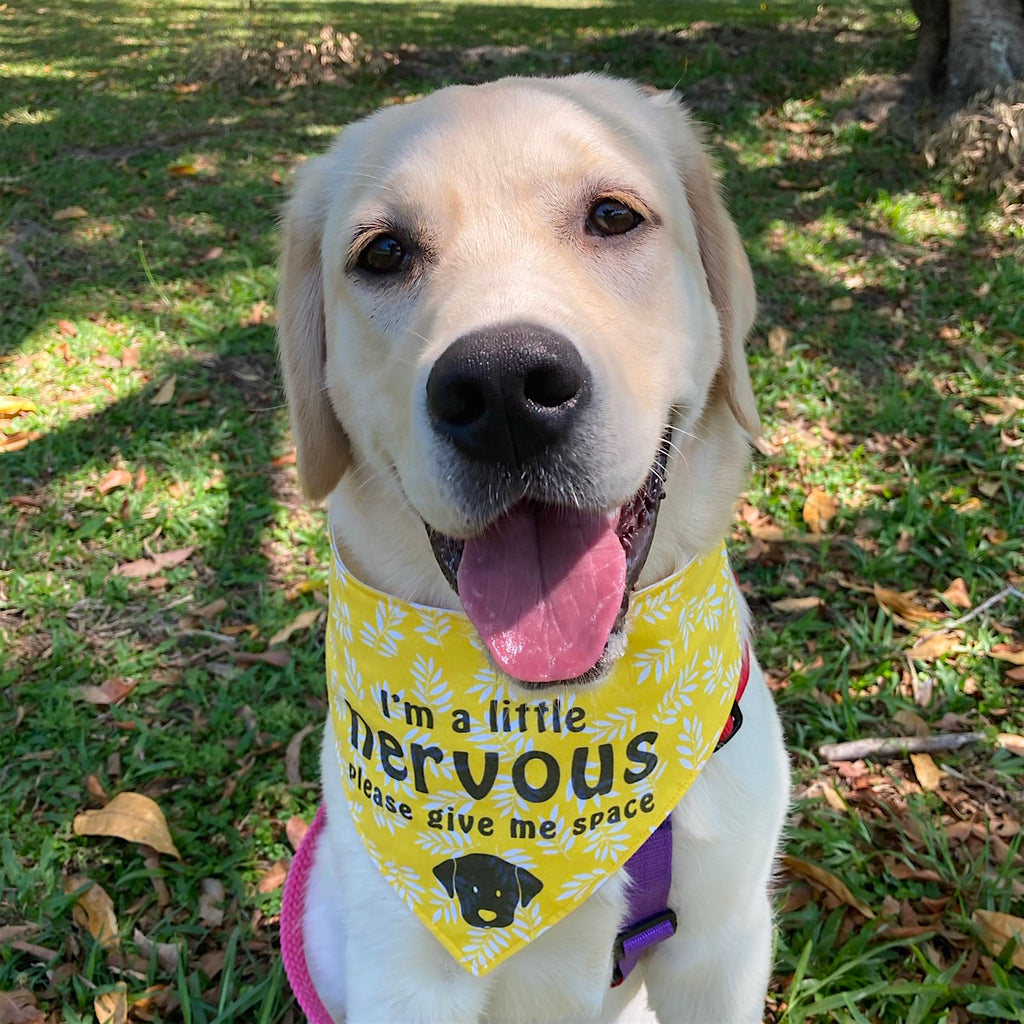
column 511, row 325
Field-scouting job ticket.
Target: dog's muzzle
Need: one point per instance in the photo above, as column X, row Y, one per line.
column 547, row 582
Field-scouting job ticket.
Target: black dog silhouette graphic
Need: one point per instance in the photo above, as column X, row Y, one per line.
column 489, row 888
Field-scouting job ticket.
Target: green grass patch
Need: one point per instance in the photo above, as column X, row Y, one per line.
column 140, row 185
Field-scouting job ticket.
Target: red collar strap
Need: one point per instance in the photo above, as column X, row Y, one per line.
column 650, row 870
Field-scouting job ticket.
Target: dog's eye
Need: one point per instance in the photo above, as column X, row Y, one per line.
column 384, row 254
column 612, row 217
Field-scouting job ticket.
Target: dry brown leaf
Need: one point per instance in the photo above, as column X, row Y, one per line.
column 273, row 878
column 19, row 1007
column 911, row 723
column 843, row 304
column 903, row 605
column 826, row 880
column 94, row 911
column 778, row 339
column 15, row 405
column 928, row 773
column 71, row 213
column 130, row 816
column 114, row 479
column 935, row 646
column 165, row 393
column 212, row 610
column 1016, row 675
column 295, row 829
column 819, row 510
column 167, row 953
column 112, row 1007
column 301, row 621
column 18, row 440
column 110, row 691
column 1012, row 742
column 797, row 605
column 211, row 903
column 143, row 567
column 996, row 931
column 1013, row 653
column 183, row 170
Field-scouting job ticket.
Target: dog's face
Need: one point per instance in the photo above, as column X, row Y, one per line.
column 515, row 304
column 489, row 889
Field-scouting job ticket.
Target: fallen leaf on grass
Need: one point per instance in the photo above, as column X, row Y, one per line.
column 295, row 829
column 1016, row 675
column 928, row 773
column 819, row 510
column 935, row 646
column 183, row 170
column 1012, row 742
column 956, row 594
column 998, row 929
column 167, row 953
column 273, row 878
column 797, row 605
column 110, row 691
column 826, row 880
column 143, row 567
column 211, row 903
column 778, row 339
column 19, row 1007
column 114, row 479
column 304, row 620
column 18, row 440
column 165, row 393
column 911, row 723
column 71, row 213
column 130, row 816
column 112, row 1007
column 904, row 605
column 1013, row 653
column 94, row 911
column 15, row 405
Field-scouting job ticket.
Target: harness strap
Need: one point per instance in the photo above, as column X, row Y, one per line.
column 650, row 870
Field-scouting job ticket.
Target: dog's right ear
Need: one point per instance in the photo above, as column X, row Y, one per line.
column 445, row 874
column 321, row 448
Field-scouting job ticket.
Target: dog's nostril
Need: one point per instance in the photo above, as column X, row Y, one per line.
column 461, row 404
column 552, row 386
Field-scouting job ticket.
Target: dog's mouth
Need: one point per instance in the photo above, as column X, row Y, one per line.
column 547, row 586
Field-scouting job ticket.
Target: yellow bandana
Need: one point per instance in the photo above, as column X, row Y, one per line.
column 491, row 810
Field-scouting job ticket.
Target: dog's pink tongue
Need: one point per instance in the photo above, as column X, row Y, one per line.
column 543, row 589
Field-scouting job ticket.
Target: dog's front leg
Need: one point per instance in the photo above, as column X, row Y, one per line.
column 725, row 834
column 394, row 969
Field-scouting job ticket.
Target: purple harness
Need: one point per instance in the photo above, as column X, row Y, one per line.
column 649, row 869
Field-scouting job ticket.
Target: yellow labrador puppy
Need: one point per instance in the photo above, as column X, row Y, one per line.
column 511, row 325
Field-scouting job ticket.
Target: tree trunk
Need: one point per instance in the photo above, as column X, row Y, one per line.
column 964, row 47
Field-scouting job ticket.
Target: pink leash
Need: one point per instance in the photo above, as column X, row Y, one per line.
column 293, row 912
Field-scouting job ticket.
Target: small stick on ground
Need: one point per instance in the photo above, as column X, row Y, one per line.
column 890, row 747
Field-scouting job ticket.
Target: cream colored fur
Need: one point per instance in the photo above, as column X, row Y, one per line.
column 498, row 178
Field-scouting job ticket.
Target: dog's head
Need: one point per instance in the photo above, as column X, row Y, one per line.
column 489, row 888
column 516, row 311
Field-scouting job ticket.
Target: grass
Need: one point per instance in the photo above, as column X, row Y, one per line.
column 137, row 218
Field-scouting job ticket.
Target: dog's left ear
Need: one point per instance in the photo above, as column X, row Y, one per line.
column 445, row 874
column 529, row 885
column 321, row 446
column 721, row 251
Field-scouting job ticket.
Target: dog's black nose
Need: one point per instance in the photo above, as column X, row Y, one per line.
column 507, row 393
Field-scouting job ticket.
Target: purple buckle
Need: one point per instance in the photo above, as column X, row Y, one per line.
column 631, row 942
